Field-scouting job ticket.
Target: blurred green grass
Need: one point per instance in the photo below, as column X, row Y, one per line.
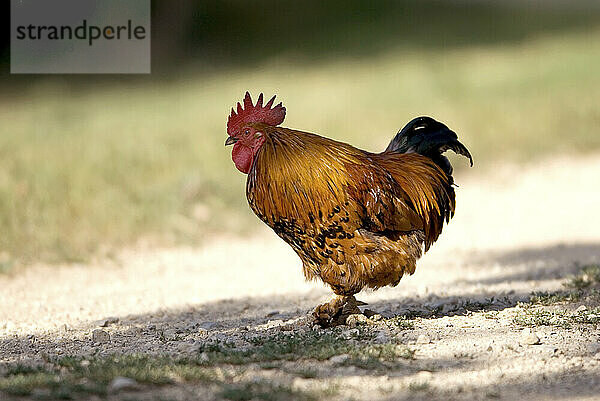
column 86, row 171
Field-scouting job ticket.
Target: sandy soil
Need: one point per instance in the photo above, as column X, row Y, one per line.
column 516, row 230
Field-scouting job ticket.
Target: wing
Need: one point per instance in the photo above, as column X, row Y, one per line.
column 414, row 194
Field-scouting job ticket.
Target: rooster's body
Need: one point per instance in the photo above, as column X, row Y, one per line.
column 356, row 219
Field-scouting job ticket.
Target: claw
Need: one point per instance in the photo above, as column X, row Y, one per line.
column 336, row 311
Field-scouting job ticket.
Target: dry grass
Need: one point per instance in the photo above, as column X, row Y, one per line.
column 84, row 172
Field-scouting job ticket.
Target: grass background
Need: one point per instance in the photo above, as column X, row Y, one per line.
column 88, row 166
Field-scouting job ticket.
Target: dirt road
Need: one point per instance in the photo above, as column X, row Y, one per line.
column 517, row 230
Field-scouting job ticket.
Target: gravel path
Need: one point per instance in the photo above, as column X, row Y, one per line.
column 517, row 230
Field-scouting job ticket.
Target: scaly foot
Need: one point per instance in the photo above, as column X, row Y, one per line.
column 336, row 311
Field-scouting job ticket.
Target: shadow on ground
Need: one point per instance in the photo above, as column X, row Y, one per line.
column 184, row 333
column 553, row 262
column 537, row 263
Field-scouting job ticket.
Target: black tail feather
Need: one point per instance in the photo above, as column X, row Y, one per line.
column 430, row 138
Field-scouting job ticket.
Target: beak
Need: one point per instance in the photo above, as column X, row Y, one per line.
column 230, row 141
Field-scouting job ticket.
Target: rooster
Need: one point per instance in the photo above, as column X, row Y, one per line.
column 356, row 219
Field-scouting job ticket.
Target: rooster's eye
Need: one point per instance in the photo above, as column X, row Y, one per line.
column 247, row 132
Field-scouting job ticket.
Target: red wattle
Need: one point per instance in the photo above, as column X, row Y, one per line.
column 242, row 157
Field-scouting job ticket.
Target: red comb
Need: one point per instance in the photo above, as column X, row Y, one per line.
column 255, row 113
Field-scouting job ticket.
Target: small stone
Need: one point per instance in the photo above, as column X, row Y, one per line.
column 108, row 321
column 581, row 309
column 274, row 323
column 382, row 338
column 423, row 339
column 347, row 334
column 529, row 337
column 299, row 323
column 597, row 356
column 593, row 348
column 208, row 325
column 191, row 327
column 121, row 383
column 339, row 359
column 286, row 327
column 376, row 317
column 547, row 349
column 424, row 374
column 356, row 319
column 170, row 335
column 489, row 348
column 100, row 336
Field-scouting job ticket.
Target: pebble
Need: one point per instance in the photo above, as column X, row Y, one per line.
column 593, row 348
column 208, row 325
column 529, row 337
column 203, row 357
column 356, row 319
column 424, row 375
column 339, row 359
column 191, row 327
column 170, row 334
column 547, row 349
column 382, row 338
column 299, row 323
column 274, row 323
column 121, row 383
column 100, row 336
column 108, row 321
column 350, row 333
column 582, row 308
column 423, row 339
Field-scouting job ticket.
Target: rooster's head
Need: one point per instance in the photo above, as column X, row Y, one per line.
column 244, row 132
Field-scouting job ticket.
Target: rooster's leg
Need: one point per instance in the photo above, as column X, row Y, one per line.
column 336, row 311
